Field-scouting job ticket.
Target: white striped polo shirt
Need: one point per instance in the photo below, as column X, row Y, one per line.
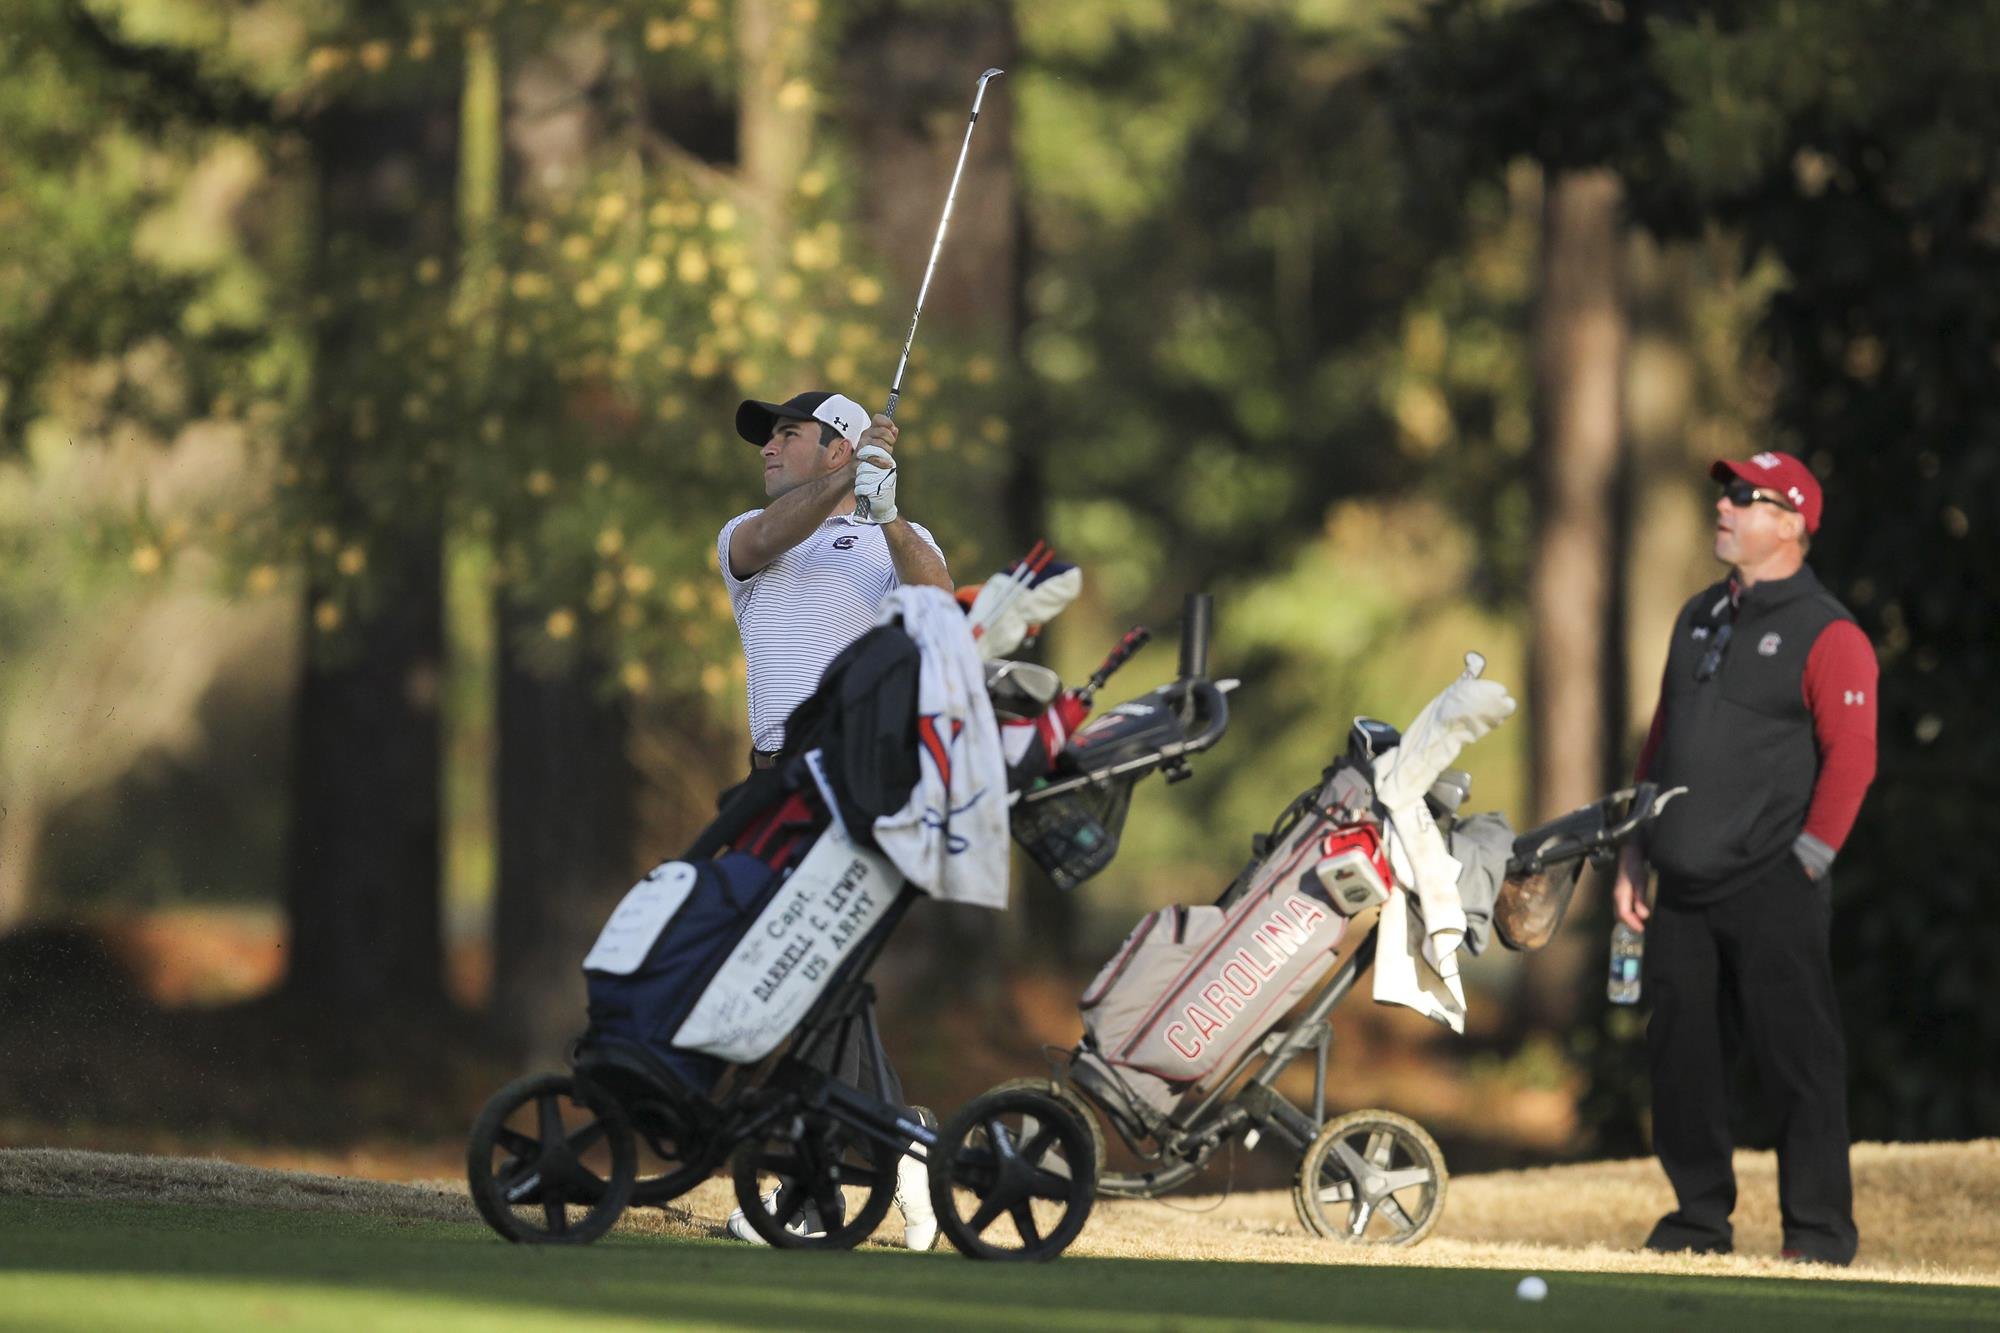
column 799, row 611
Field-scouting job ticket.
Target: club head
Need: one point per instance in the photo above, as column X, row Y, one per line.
column 1021, row 689
column 1448, row 793
column 991, row 74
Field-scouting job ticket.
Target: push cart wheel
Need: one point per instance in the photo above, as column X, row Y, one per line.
column 541, row 1151
column 1078, row 1107
column 797, row 1183
column 1013, row 1176
column 1371, row 1178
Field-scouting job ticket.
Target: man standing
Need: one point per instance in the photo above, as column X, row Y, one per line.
column 806, row 576
column 1767, row 716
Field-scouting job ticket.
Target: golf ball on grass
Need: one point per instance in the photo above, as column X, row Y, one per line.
column 1531, row 1288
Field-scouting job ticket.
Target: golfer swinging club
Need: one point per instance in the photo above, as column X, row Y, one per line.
column 806, row 575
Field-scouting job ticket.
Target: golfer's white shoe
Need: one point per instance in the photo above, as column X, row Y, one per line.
column 913, row 1199
column 807, row 1224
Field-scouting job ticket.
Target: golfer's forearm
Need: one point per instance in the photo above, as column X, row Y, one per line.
column 916, row 563
column 791, row 518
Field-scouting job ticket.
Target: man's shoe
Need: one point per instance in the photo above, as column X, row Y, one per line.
column 807, row 1224
column 1673, row 1236
column 913, row 1192
column 1796, row 1256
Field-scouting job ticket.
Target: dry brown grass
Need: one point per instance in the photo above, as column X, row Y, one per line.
column 60, row 1173
column 1928, row 1213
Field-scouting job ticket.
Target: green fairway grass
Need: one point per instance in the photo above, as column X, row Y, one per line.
column 88, row 1265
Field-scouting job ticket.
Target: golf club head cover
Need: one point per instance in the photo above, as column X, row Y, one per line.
column 1031, row 747
column 1006, row 608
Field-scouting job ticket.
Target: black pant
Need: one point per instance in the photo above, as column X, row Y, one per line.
column 857, row 1059
column 1757, row 963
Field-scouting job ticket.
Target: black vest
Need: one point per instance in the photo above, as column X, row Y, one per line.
column 1742, row 739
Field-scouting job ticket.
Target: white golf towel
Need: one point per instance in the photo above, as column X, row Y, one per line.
column 1420, row 970
column 951, row 839
column 1405, row 973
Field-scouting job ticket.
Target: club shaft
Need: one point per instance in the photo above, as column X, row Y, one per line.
column 937, row 244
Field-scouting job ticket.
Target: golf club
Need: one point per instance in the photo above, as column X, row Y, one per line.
column 937, row 245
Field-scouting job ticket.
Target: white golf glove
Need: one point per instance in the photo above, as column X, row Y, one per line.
column 875, row 485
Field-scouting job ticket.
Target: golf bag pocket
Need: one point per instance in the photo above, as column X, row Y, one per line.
column 1159, row 949
column 782, row 961
column 667, row 937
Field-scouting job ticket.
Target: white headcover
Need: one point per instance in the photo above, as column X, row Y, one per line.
column 1005, row 608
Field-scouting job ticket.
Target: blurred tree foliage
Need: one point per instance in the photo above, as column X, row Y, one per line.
column 140, row 371
column 1279, row 360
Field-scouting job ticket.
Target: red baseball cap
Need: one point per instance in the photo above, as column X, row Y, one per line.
column 1776, row 472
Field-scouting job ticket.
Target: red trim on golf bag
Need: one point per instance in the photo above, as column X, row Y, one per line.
column 1108, row 977
column 773, row 835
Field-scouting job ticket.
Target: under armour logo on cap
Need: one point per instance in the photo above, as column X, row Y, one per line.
column 844, row 415
column 1767, row 460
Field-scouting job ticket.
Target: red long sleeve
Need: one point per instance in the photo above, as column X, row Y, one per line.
column 1839, row 689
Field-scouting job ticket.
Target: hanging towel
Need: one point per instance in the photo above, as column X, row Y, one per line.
column 950, row 840
column 1419, row 967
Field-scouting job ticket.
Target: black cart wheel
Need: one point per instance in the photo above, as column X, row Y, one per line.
column 799, row 1183
column 1013, row 1176
column 1078, row 1107
column 547, row 1166
column 1371, row 1178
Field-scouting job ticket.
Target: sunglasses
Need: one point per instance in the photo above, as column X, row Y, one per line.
column 1742, row 495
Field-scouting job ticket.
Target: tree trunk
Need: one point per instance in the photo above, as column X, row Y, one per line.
column 20, row 840
column 364, row 853
column 366, row 935
column 565, row 788
column 773, row 131
column 566, row 836
column 1052, row 920
column 1574, row 596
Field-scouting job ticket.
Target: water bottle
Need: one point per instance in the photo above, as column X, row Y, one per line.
column 1628, row 947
